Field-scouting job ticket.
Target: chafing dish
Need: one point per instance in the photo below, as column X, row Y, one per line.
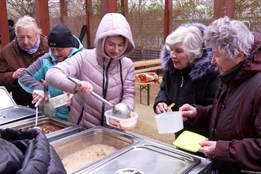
column 10, row 111
column 71, row 146
column 150, row 157
column 53, row 128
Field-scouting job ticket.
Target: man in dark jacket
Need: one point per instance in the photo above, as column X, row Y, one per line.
column 11, row 29
column 235, row 117
column 28, row 151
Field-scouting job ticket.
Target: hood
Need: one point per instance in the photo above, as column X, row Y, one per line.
column 199, row 68
column 113, row 24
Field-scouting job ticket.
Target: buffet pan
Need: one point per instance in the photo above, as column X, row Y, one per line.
column 90, row 146
column 53, row 128
column 10, row 111
column 150, row 157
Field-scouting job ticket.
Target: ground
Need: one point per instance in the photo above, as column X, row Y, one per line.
column 146, row 125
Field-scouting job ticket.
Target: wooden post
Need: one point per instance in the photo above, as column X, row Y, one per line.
column 224, row 8
column 4, row 32
column 88, row 10
column 230, row 8
column 124, row 7
column 42, row 15
column 108, row 6
column 167, row 15
column 63, row 10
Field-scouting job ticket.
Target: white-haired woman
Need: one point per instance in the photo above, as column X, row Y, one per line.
column 188, row 76
column 27, row 47
column 235, row 116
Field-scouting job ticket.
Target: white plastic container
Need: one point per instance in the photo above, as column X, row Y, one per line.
column 59, row 100
column 169, row 122
column 121, row 123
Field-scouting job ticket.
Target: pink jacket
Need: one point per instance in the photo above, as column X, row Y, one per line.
column 94, row 66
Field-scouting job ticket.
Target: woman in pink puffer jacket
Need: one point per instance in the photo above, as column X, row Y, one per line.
column 105, row 70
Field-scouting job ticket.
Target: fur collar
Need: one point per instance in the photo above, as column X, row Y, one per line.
column 199, row 68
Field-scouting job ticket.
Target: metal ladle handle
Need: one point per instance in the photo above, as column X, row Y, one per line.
column 101, row 99
column 77, row 82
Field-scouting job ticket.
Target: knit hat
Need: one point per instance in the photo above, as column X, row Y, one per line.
column 61, row 36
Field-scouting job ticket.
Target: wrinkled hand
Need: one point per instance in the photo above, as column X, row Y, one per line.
column 208, row 148
column 161, row 108
column 38, row 96
column 187, row 111
column 17, row 73
column 69, row 100
column 84, row 87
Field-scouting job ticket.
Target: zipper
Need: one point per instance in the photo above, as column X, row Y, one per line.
column 182, row 81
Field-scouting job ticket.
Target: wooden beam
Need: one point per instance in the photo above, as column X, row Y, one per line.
column 108, row 6
column 230, row 8
column 4, row 32
column 63, row 10
column 167, row 16
column 88, row 10
column 42, row 15
column 124, row 8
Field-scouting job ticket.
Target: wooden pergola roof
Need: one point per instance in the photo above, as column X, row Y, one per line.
column 221, row 8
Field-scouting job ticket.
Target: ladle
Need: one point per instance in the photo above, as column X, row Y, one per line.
column 36, row 119
column 119, row 110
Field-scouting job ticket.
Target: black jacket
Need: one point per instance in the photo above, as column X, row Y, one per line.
column 28, row 151
column 196, row 84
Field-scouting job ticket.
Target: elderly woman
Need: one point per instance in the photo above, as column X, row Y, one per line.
column 188, row 76
column 27, row 47
column 235, row 116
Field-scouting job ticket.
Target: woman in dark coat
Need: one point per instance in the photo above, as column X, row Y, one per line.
column 235, row 116
column 28, row 151
column 188, row 76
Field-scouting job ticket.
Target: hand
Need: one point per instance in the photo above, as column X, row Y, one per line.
column 84, row 87
column 17, row 73
column 69, row 100
column 38, row 96
column 187, row 111
column 44, row 83
column 161, row 108
column 208, row 148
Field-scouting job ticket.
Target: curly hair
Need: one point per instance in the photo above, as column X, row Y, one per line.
column 26, row 22
column 229, row 36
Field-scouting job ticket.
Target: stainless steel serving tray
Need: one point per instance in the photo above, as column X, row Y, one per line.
column 90, row 137
column 64, row 128
column 150, row 157
column 10, row 111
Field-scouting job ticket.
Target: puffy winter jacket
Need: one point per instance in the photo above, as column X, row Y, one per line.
column 28, row 151
column 196, row 84
column 112, row 78
column 30, row 78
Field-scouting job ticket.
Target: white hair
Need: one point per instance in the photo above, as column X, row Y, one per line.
column 191, row 38
column 27, row 22
column 230, row 36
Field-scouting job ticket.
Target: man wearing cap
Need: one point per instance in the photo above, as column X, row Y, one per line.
column 63, row 44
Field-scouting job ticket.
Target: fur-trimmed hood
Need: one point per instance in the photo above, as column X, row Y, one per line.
column 200, row 67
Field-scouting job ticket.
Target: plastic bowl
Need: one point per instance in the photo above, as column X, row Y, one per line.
column 121, row 123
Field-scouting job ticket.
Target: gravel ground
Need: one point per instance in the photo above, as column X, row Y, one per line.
column 146, row 125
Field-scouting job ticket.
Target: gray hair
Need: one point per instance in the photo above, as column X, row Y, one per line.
column 191, row 38
column 27, row 22
column 230, row 36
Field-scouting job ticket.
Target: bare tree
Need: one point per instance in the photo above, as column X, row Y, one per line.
column 18, row 8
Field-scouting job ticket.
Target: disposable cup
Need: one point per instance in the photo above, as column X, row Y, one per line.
column 169, row 122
